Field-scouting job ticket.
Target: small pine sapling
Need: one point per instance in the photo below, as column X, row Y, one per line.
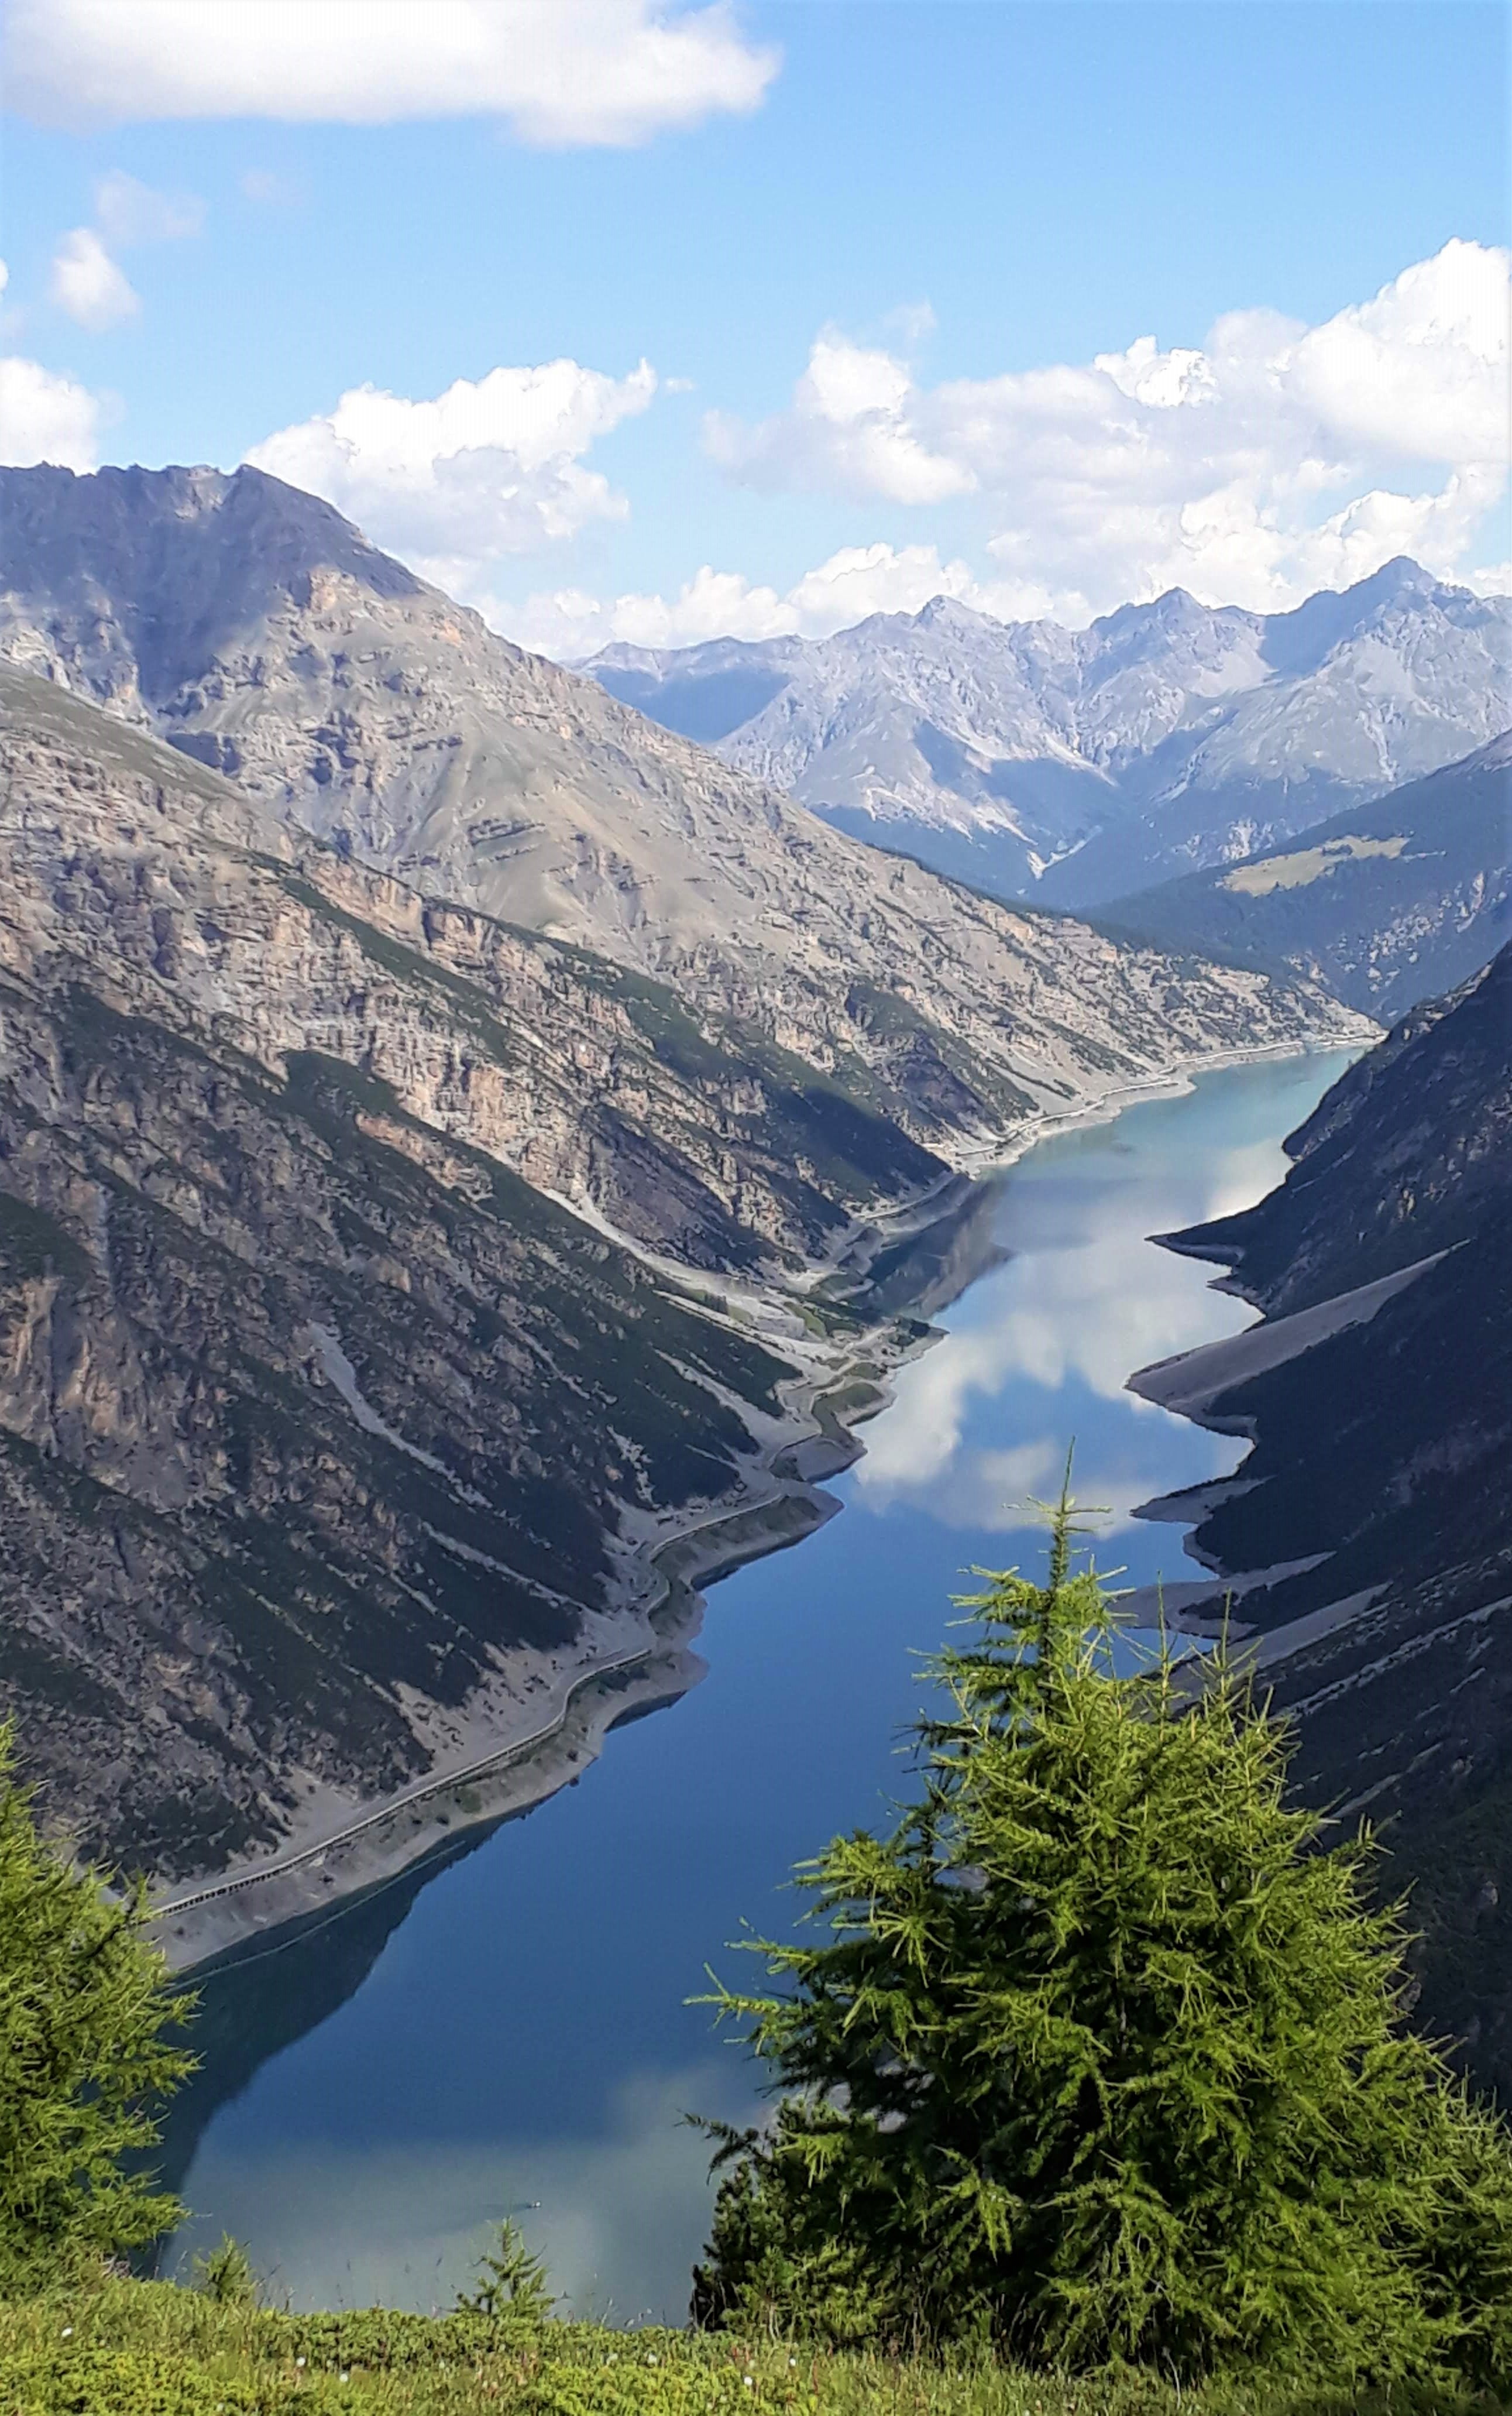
column 512, row 2286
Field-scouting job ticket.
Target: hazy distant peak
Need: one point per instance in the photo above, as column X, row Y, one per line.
column 1175, row 610
column 1075, row 765
column 949, row 613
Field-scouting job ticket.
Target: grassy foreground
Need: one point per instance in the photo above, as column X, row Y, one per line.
column 130, row 2348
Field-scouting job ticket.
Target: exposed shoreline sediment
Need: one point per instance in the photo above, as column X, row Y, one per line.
column 500, row 1765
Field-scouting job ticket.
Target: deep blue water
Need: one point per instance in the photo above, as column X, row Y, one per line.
column 522, row 2043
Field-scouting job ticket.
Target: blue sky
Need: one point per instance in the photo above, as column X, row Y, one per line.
column 965, row 204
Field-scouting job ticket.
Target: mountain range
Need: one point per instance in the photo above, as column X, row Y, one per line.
column 257, row 632
column 427, row 1093
column 1074, row 766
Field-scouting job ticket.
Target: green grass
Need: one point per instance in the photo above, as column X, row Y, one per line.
column 135, row 2349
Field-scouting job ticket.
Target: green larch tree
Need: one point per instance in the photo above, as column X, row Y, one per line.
column 84, row 2003
column 1101, row 2055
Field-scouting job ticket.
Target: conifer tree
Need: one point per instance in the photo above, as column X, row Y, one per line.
column 84, row 2004
column 1103, row 2056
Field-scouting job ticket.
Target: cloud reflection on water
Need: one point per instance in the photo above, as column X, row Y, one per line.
column 403, row 2224
column 1083, row 1302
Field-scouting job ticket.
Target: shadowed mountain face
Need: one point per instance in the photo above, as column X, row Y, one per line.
column 1074, row 767
column 258, row 633
column 1378, row 1395
column 323, row 1426
column 1387, row 904
column 345, row 1368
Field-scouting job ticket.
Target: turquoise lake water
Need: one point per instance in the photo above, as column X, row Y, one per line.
column 512, row 2034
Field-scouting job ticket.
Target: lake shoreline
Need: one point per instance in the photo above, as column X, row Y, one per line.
column 495, row 1773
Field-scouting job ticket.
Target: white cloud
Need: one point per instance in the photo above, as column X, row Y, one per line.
column 854, row 582
column 559, row 72
column 44, row 417
column 1275, row 459
column 88, row 284
column 490, row 467
column 1420, row 372
column 850, row 427
column 127, row 212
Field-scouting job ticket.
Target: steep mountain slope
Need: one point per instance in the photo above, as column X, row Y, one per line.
column 327, row 1439
column 1386, row 903
column 1378, row 1395
column 1034, row 761
column 332, row 1441
column 258, row 632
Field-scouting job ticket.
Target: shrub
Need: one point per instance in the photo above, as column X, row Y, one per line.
column 225, row 2274
column 512, row 2287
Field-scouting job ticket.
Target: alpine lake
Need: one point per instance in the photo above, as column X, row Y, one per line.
column 509, row 2032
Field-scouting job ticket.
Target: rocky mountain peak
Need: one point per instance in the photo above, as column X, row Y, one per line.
column 167, row 568
column 1402, row 591
column 948, row 613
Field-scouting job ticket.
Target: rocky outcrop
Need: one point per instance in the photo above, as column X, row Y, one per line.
column 1077, row 766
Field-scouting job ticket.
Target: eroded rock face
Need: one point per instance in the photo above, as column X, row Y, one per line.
column 253, row 627
column 319, row 1422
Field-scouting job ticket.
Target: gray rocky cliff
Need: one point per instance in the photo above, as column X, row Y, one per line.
column 322, row 1429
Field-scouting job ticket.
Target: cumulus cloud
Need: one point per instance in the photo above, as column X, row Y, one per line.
column 492, row 466
column 858, row 580
column 88, row 284
column 44, row 417
column 558, row 71
column 851, row 425
column 1275, row 460
column 86, row 281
